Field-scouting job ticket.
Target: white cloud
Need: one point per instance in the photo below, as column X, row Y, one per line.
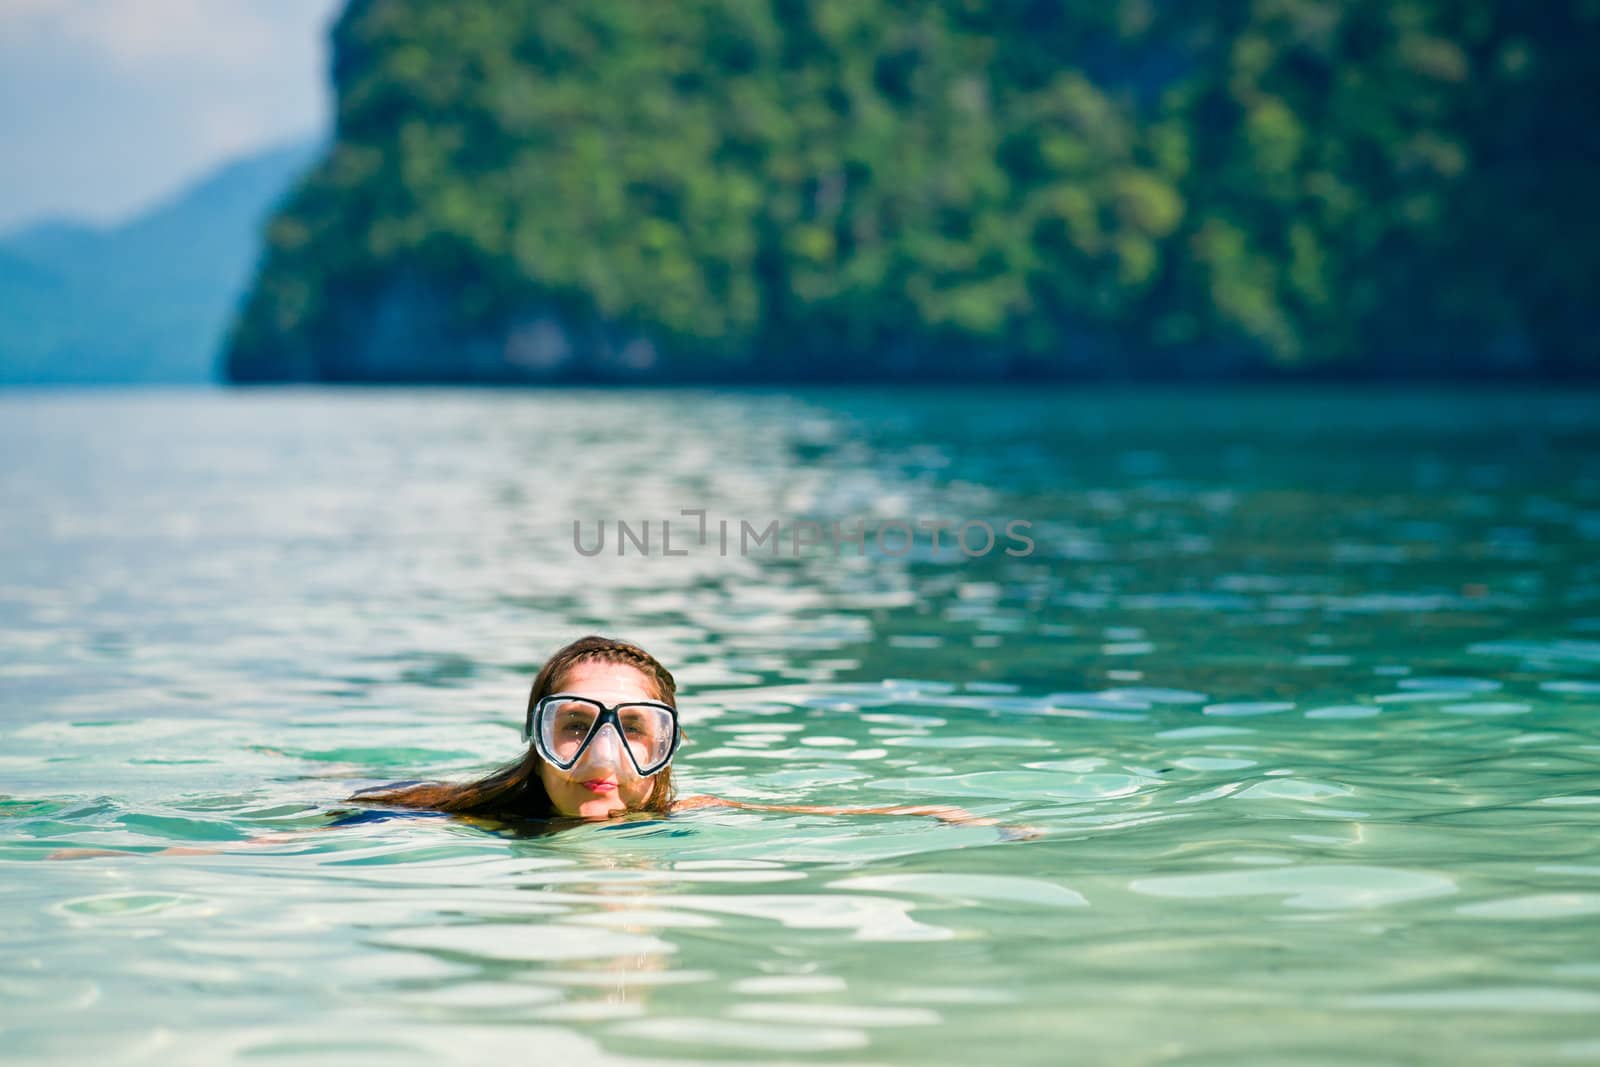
column 145, row 33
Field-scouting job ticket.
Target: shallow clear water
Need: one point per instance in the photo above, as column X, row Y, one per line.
column 1301, row 693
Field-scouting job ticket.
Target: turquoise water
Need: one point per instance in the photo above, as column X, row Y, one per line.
column 1300, row 692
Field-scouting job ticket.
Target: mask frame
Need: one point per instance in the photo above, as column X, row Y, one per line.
column 532, row 731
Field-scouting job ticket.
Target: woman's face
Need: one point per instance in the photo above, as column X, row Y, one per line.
column 597, row 798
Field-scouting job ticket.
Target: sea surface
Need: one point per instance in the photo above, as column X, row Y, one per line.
column 1289, row 709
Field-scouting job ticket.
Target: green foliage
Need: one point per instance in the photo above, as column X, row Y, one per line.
column 835, row 187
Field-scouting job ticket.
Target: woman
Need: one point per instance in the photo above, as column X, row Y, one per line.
column 602, row 724
column 602, row 727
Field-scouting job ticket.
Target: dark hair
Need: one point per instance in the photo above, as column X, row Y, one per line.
column 516, row 790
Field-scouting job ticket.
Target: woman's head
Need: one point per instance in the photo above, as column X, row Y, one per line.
column 596, row 649
column 603, row 668
column 611, row 672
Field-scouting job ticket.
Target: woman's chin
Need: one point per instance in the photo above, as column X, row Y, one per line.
column 600, row 807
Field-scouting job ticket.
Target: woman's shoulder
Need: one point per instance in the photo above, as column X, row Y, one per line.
column 352, row 818
column 381, row 814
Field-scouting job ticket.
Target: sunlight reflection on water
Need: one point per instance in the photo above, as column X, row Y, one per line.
column 1299, row 703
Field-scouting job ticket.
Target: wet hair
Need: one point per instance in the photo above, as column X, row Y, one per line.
column 515, row 791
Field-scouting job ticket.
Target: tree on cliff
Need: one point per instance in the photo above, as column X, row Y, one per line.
column 529, row 189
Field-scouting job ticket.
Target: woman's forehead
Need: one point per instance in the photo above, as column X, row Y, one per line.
column 607, row 681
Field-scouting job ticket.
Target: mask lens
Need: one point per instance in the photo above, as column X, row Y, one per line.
column 648, row 732
column 564, row 727
column 567, row 724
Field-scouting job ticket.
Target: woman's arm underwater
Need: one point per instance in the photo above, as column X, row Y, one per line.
column 272, row 837
column 187, row 850
column 947, row 813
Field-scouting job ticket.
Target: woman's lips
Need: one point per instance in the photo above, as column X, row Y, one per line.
column 599, row 785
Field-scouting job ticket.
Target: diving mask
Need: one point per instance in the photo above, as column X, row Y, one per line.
column 575, row 734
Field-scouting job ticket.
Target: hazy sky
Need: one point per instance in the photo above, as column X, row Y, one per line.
column 109, row 105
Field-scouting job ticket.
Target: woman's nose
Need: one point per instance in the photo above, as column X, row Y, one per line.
column 607, row 745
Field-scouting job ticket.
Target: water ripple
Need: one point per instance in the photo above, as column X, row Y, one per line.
column 1288, row 728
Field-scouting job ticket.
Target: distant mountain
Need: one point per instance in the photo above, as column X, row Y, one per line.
column 145, row 301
